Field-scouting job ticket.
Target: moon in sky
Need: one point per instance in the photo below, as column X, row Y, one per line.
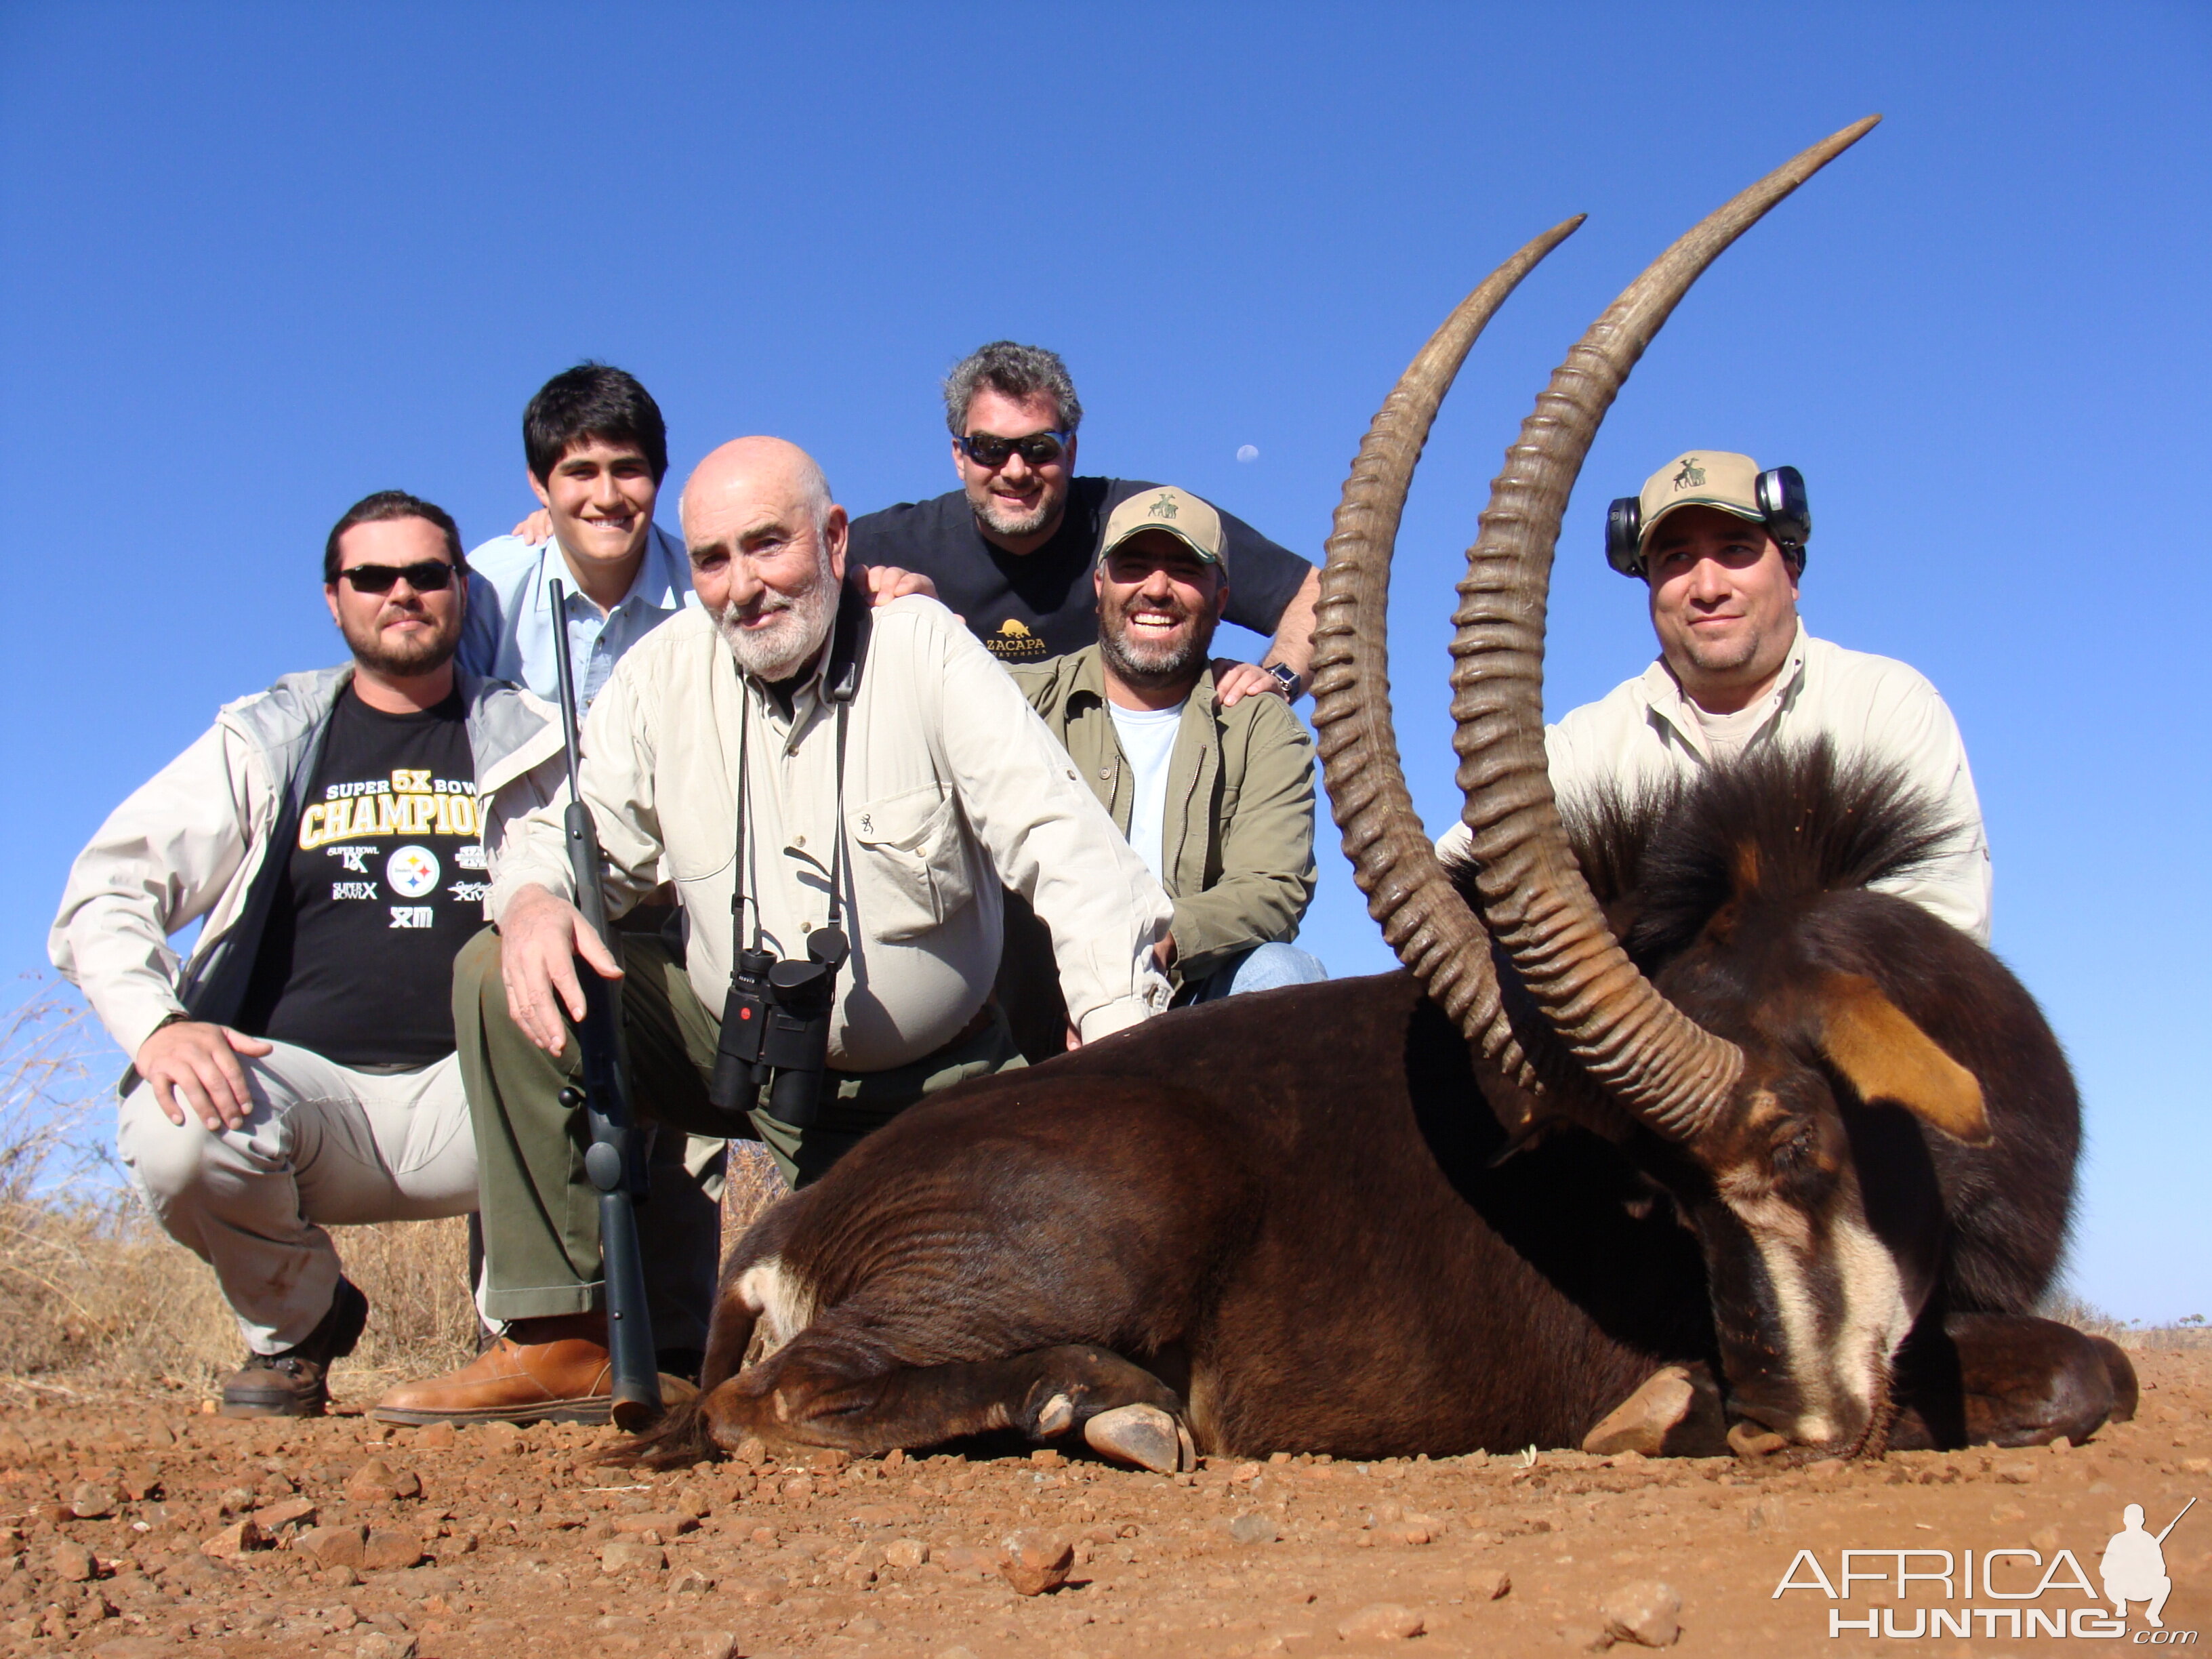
column 1247, row 453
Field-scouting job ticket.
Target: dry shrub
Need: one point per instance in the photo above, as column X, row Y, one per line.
column 93, row 1293
column 2069, row 1307
column 754, row 1182
column 92, row 1290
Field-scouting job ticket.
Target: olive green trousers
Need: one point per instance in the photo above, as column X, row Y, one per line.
column 540, row 1211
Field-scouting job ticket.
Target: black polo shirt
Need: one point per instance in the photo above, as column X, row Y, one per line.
column 1026, row 607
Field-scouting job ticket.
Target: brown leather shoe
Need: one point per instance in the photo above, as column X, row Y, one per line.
column 565, row 1380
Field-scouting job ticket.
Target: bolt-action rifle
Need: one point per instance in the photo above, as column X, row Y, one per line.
column 615, row 1161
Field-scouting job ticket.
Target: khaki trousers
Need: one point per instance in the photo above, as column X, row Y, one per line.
column 540, row 1211
column 323, row 1146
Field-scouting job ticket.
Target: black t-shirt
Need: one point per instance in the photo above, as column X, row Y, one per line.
column 387, row 883
column 1029, row 606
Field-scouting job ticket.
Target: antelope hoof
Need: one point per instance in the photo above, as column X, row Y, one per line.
column 1750, row 1442
column 2124, row 1379
column 1056, row 1416
column 1675, row 1414
column 1143, row 1435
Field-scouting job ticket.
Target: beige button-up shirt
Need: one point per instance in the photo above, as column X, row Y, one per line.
column 953, row 788
column 1645, row 730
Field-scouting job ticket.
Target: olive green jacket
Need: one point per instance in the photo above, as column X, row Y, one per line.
column 1237, row 832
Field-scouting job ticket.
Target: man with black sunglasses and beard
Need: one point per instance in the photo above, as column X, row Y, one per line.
column 335, row 836
column 1011, row 552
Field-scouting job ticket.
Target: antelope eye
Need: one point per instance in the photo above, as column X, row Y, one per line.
column 1793, row 1149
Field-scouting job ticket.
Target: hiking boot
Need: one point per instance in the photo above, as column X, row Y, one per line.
column 296, row 1382
column 566, row 1379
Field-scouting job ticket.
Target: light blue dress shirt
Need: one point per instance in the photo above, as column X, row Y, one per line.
column 509, row 635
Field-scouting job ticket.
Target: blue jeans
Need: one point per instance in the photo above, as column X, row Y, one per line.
column 1263, row 967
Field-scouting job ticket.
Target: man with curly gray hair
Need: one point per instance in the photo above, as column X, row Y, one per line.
column 1012, row 551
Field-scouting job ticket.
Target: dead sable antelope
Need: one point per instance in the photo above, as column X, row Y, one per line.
column 1730, row 1110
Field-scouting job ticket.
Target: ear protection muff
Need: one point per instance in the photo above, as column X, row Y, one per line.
column 1789, row 519
column 1780, row 492
column 1624, row 528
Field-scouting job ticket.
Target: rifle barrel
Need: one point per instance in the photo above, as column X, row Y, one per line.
column 613, row 1162
column 2176, row 1522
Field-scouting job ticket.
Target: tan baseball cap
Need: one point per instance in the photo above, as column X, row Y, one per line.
column 1700, row 477
column 1181, row 514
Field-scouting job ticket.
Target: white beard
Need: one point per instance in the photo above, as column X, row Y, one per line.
column 781, row 648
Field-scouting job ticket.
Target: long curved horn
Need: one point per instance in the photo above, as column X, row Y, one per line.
column 1426, row 921
column 1668, row 1069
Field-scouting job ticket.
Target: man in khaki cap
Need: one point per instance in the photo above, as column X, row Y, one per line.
column 1217, row 800
column 1721, row 546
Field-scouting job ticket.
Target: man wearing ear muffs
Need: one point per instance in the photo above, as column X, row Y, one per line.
column 1721, row 547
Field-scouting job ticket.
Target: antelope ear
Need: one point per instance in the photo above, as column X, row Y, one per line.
column 1868, row 1039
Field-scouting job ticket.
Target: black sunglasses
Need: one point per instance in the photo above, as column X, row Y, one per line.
column 425, row 576
column 1038, row 449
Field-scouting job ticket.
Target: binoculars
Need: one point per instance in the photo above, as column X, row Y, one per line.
column 775, row 1029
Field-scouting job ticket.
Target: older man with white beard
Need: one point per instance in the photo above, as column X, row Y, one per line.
column 800, row 765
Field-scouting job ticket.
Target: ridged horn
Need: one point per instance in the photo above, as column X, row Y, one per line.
column 1669, row 1071
column 1426, row 921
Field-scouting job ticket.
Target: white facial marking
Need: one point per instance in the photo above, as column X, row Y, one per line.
column 779, row 1299
column 1875, row 1319
column 1853, row 1360
column 1781, row 1235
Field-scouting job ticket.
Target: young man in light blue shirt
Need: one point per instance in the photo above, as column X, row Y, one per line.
column 597, row 449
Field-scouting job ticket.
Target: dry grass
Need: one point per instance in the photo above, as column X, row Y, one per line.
column 754, row 1183
column 94, row 1295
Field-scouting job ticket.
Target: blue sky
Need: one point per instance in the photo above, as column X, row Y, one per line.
column 257, row 261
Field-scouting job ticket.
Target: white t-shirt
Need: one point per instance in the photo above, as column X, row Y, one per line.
column 1726, row 734
column 1147, row 737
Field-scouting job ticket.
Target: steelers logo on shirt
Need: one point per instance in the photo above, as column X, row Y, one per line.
column 412, row 871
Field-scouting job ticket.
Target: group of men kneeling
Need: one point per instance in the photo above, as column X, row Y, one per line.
column 1039, row 821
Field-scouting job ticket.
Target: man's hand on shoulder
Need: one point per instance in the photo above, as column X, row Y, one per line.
column 541, row 935
column 537, row 527
column 193, row 1067
column 882, row 583
column 1234, row 681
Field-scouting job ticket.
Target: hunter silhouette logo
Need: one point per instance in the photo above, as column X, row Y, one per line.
column 1165, row 508
column 1014, row 642
column 2018, row 1594
column 1691, row 475
column 2134, row 1567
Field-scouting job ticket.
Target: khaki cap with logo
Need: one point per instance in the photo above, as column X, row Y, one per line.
column 1701, row 477
column 1181, row 514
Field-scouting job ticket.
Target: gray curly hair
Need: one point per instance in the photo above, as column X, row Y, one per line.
column 1016, row 371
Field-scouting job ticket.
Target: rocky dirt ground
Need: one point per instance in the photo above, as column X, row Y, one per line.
column 139, row 1528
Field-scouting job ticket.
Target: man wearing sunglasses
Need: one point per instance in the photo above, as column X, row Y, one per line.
column 1012, row 551
column 335, row 837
